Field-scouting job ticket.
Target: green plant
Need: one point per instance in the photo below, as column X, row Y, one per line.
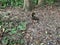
column 49, row 2
column 12, row 3
column 12, row 36
column 8, row 35
column 35, row 2
column 22, row 26
column 5, row 40
column 15, row 3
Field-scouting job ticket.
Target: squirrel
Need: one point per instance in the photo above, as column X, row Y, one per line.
column 34, row 17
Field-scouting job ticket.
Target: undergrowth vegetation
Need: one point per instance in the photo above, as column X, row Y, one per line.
column 12, row 32
column 20, row 3
column 49, row 2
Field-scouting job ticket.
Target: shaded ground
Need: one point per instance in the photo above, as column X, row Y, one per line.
column 46, row 31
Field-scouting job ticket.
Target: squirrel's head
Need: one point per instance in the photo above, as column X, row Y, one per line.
column 33, row 14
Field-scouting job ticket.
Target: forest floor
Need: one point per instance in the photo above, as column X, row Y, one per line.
column 44, row 32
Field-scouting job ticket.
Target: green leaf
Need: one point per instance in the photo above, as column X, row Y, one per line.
column 22, row 41
column 7, row 30
column 22, row 26
column 11, row 42
column 5, row 41
column 0, row 22
column 13, row 31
